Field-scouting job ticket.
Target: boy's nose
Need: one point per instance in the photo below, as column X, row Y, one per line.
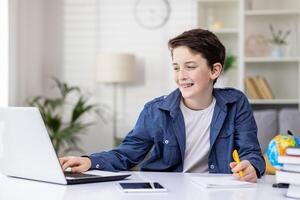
column 182, row 74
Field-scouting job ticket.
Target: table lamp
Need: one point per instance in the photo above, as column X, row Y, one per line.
column 115, row 68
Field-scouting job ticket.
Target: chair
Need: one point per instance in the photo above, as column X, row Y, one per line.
column 266, row 121
column 289, row 119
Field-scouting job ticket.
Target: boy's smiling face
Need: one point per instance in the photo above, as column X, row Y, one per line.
column 192, row 75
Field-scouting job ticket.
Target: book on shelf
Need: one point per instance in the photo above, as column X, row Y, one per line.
column 252, row 89
column 289, row 159
column 258, row 88
column 287, row 177
column 293, row 191
column 291, row 167
column 265, row 87
column 293, row 151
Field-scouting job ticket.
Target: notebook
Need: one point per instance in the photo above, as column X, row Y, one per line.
column 27, row 151
column 220, row 182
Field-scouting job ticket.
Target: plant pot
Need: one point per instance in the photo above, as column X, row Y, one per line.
column 277, row 51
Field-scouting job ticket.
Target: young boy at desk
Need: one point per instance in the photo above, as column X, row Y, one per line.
column 193, row 129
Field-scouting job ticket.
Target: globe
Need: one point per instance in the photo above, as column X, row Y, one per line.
column 278, row 145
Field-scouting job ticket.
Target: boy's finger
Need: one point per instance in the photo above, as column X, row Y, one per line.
column 236, row 176
column 69, row 163
column 232, row 164
column 62, row 160
column 240, row 167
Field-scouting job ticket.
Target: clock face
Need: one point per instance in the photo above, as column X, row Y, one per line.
column 152, row 14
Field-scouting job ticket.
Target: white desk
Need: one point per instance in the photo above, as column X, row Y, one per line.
column 179, row 187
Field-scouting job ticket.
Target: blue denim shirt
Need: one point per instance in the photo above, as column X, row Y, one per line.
column 160, row 129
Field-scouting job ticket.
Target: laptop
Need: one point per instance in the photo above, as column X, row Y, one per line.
column 27, row 151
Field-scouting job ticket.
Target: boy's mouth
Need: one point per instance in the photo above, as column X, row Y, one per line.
column 186, row 85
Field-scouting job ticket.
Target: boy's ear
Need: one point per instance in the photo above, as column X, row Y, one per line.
column 216, row 71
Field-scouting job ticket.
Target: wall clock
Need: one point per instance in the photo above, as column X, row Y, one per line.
column 152, row 14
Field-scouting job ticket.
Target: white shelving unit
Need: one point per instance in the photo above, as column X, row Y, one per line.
column 227, row 31
column 274, row 101
column 244, row 28
column 271, row 60
column 271, row 12
column 282, row 72
column 221, row 17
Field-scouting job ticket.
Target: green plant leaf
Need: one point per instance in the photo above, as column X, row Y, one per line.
column 278, row 37
column 64, row 129
column 64, row 89
column 229, row 62
column 53, row 122
column 80, row 108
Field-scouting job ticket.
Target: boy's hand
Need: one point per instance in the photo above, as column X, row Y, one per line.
column 77, row 164
column 247, row 168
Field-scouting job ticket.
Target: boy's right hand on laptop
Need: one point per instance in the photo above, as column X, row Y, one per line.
column 77, row 164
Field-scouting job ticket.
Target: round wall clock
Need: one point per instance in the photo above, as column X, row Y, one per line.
column 152, row 14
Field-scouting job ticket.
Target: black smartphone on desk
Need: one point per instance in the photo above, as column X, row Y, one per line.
column 141, row 187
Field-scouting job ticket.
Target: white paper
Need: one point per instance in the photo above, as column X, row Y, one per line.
column 1, row 138
column 220, row 182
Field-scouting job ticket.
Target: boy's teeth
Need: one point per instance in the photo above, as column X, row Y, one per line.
column 188, row 85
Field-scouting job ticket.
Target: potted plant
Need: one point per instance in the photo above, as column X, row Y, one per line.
column 64, row 119
column 278, row 40
column 229, row 62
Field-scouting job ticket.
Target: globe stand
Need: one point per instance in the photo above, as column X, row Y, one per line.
column 289, row 133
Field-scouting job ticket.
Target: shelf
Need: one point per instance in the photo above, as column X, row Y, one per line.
column 271, row 12
column 270, row 59
column 226, row 31
column 218, row 1
column 274, row 101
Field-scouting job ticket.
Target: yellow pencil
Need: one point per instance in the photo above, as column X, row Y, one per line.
column 236, row 158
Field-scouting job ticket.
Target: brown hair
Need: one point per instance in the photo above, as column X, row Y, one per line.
column 201, row 41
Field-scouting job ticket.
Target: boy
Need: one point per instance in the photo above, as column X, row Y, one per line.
column 193, row 129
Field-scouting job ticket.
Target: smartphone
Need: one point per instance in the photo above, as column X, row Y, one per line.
column 141, row 187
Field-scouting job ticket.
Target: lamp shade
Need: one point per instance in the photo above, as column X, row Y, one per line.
column 115, row 68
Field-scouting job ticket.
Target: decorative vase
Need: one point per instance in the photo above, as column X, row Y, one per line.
column 277, row 51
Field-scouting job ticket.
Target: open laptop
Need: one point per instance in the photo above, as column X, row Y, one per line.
column 28, row 152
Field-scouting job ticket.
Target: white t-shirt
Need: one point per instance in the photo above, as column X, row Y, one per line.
column 197, row 130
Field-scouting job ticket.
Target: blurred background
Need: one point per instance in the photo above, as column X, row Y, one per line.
column 116, row 52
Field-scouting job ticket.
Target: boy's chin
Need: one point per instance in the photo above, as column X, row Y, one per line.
column 187, row 95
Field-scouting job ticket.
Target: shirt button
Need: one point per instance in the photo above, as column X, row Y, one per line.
column 166, row 141
column 97, row 166
column 211, row 166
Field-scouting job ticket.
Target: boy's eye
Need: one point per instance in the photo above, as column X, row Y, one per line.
column 175, row 68
column 190, row 67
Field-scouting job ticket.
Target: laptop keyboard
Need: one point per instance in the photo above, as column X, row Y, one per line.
column 78, row 175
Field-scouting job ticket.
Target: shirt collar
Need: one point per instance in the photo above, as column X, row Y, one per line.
column 171, row 102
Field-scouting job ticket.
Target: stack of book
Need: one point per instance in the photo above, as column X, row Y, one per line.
column 257, row 87
column 290, row 172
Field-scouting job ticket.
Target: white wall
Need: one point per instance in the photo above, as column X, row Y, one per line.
column 28, row 45
column 62, row 38
column 4, row 53
column 52, row 50
column 120, row 32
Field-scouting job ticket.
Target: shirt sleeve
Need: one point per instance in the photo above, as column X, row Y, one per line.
column 246, row 137
column 132, row 151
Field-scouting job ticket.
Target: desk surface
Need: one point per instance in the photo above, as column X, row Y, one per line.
column 179, row 187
